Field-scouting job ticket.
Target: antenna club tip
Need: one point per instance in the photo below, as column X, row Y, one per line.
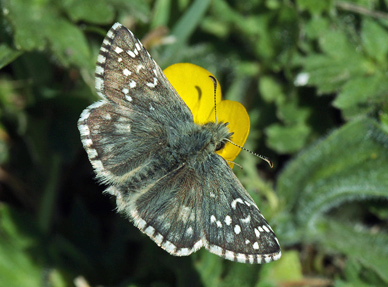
column 270, row 163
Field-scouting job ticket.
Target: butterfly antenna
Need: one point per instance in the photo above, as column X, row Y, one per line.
column 215, row 97
column 270, row 163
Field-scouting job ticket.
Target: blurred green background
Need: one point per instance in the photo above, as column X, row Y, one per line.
column 314, row 77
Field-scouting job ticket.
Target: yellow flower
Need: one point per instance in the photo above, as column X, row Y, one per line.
column 196, row 87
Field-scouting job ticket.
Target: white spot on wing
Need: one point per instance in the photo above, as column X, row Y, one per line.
column 106, row 42
column 101, row 59
column 229, row 255
column 139, row 67
column 247, row 219
column 125, row 91
column 154, row 84
column 116, row 26
column 130, row 53
column 241, row 257
column 237, row 229
column 228, row 220
column 215, row 249
column 110, row 33
column 169, row 246
column 126, row 72
column 99, row 70
column 234, row 202
column 158, row 238
column 118, row 50
column 132, row 84
column 184, row 213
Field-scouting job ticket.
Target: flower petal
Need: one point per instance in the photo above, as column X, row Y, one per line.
column 194, row 85
column 239, row 123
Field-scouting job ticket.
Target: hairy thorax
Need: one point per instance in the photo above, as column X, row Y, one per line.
column 193, row 143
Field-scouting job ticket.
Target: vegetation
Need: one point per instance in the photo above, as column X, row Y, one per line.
column 314, row 77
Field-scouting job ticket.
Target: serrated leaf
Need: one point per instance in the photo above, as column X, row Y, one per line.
column 317, row 26
column 336, row 44
column 361, row 92
column 328, row 73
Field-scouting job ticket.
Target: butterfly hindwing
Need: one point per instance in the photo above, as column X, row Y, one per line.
column 234, row 227
column 196, row 206
column 167, row 210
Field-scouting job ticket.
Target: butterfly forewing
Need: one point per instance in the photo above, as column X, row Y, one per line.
column 127, row 75
column 142, row 142
column 111, row 134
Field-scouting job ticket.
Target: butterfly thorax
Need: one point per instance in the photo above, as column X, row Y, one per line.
column 194, row 143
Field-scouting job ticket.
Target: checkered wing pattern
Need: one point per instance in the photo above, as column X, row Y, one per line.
column 161, row 166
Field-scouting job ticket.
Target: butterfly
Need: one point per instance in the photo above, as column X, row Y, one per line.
column 162, row 167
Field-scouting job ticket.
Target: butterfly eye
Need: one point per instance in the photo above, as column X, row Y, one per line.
column 220, row 145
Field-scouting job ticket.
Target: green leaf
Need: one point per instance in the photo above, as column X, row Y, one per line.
column 287, row 269
column 162, row 12
column 68, row 44
column 271, row 90
column 339, row 62
column 315, row 7
column 359, row 93
column 43, row 27
column 352, row 241
column 7, row 55
column 350, row 164
column 287, row 139
column 375, row 39
column 17, row 268
column 94, row 11
column 185, row 27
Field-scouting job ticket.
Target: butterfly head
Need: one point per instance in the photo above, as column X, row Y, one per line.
column 220, row 135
